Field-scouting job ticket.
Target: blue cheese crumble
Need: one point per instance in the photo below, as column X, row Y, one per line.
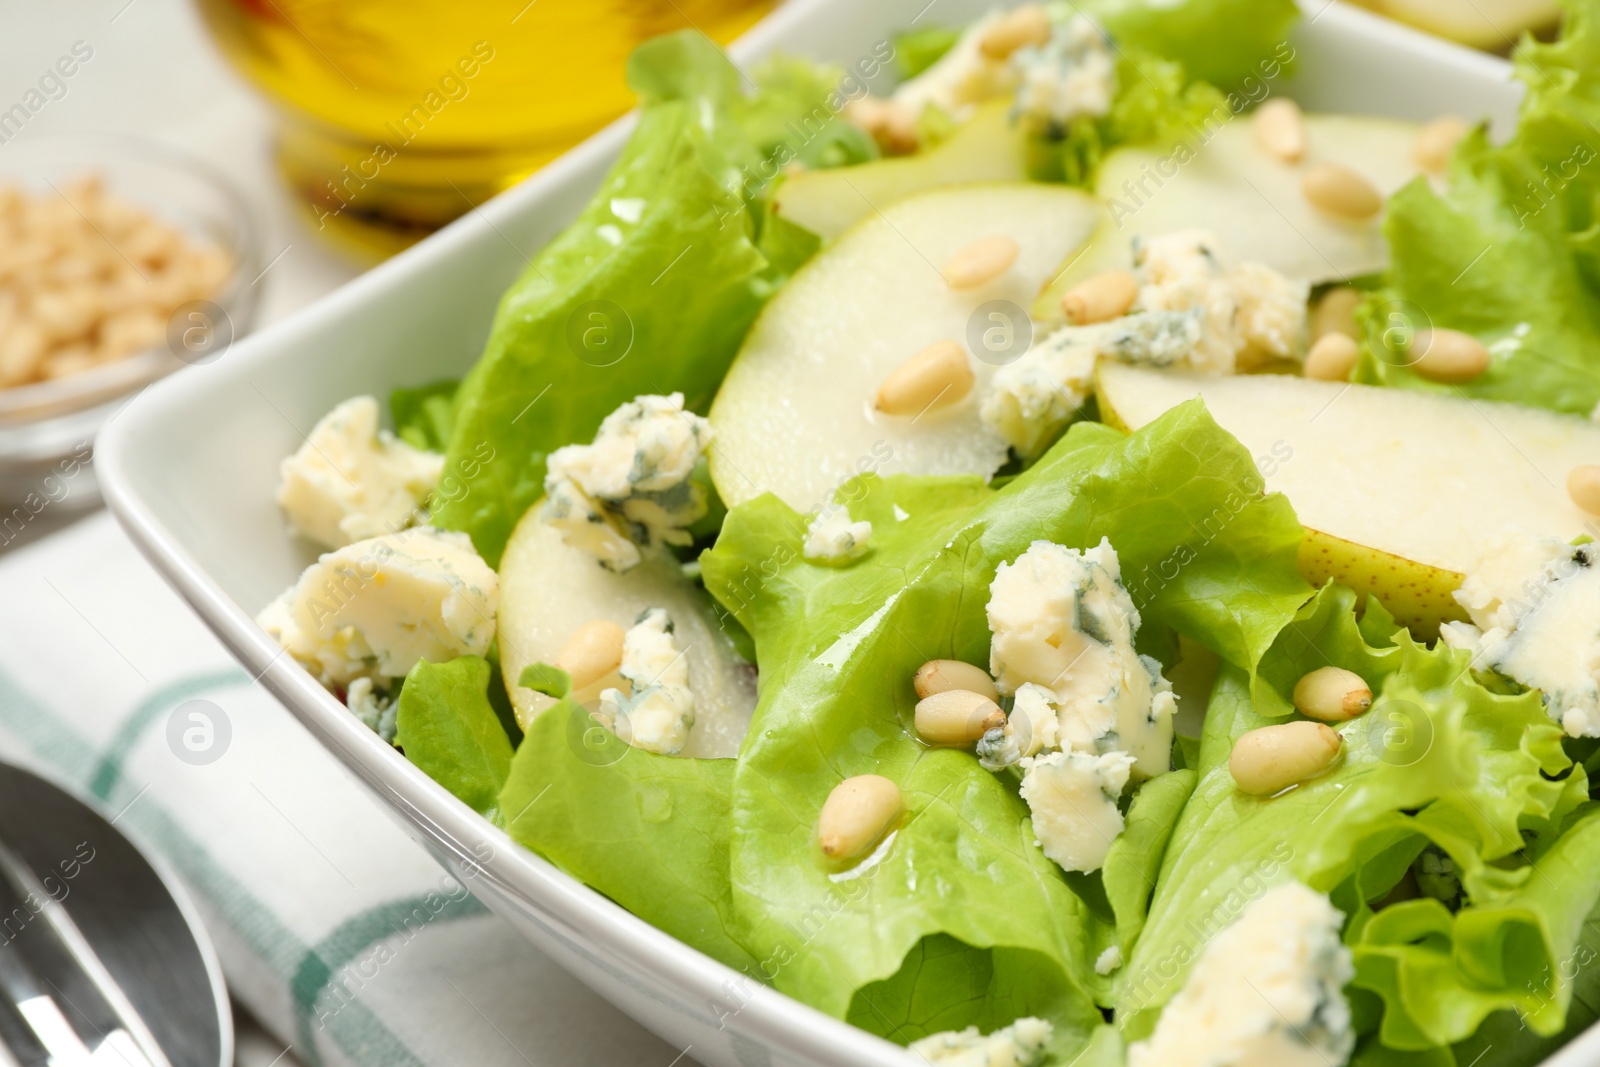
column 1108, row 961
column 1022, row 1044
column 378, row 710
column 351, row 480
column 1267, row 989
column 1087, row 710
column 1072, row 797
column 631, row 488
column 657, row 712
column 1061, row 619
column 1071, row 76
column 1032, row 399
column 373, row 609
column 1535, row 610
column 1032, row 725
column 833, row 538
column 1249, row 313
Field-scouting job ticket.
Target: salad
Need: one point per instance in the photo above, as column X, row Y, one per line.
column 1071, row 559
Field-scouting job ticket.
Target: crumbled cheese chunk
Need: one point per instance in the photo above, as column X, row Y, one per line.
column 1072, row 797
column 1109, row 960
column 631, row 488
column 1154, row 338
column 1022, row 1044
column 1032, row 399
column 1062, row 619
column 1032, row 726
column 373, row 609
column 351, row 480
column 1191, row 310
column 1535, row 606
column 379, row 711
column 1509, row 578
column 658, row 711
column 1249, row 312
column 962, row 78
column 833, row 538
column 1087, row 709
column 1073, row 75
column 1267, row 989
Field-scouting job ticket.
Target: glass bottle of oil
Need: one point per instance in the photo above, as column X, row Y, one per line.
column 400, row 115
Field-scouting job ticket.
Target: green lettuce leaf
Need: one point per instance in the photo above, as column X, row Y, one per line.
column 917, row 50
column 1507, row 251
column 1438, row 759
column 447, row 726
column 594, row 322
column 1505, row 1040
column 1135, row 858
column 1182, row 503
column 648, row 831
column 653, row 287
column 1231, row 43
column 423, row 416
column 1155, row 102
column 789, row 113
column 543, row 678
column 946, row 985
column 1441, row 975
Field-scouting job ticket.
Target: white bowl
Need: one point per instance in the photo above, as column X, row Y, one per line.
column 191, row 466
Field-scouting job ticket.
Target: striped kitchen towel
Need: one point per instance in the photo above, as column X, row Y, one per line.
column 334, row 928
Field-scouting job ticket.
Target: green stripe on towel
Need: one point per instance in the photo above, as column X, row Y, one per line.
column 307, row 970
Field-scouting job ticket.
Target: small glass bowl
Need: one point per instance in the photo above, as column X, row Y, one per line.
column 47, row 429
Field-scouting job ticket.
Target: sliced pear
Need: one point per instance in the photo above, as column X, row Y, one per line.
column 549, row 589
column 1398, row 490
column 985, row 148
column 1495, row 27
column 1249, row 199
column 795, row 415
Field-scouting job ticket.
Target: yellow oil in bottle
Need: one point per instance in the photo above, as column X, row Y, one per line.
column 400, row 115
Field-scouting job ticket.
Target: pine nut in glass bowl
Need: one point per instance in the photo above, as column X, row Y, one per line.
column 121, row 261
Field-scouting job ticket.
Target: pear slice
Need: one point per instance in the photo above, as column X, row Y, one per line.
column 549, row 589
column 1397, row 490
column 1494, row 28
column 985, row 148
column 1249, row 199
column 796, row 416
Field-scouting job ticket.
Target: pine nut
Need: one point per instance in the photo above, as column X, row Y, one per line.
column 1448, row 356
column 1332, row 694
column 1105, row 296
column 899, row 136
column 892, row 123
column 1271, row 759
column 856, row 814
column 1340, row 191
column 943, row 675
column 1028, row 24
column 983, row 260
column 936, row 377
column 593, row 651
column 1332, row 358
column 1583, row 485
column 1280, row 129
column 1436, row 140
column 957, row 717
column 1336, row 312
